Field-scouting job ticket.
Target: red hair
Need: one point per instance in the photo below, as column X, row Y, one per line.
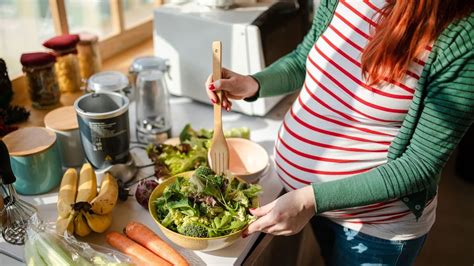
column 404, row 30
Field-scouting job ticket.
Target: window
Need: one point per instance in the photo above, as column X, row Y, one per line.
column 26, row 24
column 91, row 16
column 137, row 11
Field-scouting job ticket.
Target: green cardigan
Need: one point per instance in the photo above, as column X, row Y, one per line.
column 440, row 113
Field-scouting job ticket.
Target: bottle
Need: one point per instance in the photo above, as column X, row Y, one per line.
column 67, row 64
column 143, row 63
column 41, row 79
column 88, row 55
column 152, row 107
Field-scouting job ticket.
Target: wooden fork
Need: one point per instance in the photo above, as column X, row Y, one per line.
column 219, row 151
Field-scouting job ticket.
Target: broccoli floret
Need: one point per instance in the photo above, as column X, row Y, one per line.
column 193, row 229
column 203, row 171
column 187, row 133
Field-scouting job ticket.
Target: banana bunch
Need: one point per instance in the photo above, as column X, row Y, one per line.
column 81, row 209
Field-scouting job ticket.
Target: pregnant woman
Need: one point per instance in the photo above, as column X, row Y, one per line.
column 387, row 92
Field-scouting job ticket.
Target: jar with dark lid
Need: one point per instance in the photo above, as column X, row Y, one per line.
column 41, row 79
column 88, row 54
column 67, row 64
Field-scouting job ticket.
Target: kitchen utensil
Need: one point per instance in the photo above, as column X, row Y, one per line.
column 152, row 107
column 63, row 121
column 187, row 242
column 35, row 159
column 219, row 151
column 17, row 211
column 104, row 128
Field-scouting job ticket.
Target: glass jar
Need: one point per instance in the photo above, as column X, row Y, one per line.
column 41, row 79
column 67, row 64
column 109, row 81
column 145, row 63
column 88, row 55
column 153, row 113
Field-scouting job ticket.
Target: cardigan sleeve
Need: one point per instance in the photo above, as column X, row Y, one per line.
column 446, row 107
column 287, row 74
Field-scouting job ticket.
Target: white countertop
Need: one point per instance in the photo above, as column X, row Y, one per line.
column 263, row 131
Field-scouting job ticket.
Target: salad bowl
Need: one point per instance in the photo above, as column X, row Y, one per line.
column 189, row 242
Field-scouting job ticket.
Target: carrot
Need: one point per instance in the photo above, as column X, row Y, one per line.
column 146, row 237
column 139, row 254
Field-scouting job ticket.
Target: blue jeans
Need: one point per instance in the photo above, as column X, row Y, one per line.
column 343, row 246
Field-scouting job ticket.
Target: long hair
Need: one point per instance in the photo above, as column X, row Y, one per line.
column 404, row 30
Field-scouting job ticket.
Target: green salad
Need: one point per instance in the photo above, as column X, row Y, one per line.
column 206, row 204
column 190, row 153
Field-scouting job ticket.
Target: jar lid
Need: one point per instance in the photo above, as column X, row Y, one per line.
column 87, row 38
column 62, row 119
column 37, row 59
column 29, row 140
column 107, row 81
column 148, row 63
column 62, row 42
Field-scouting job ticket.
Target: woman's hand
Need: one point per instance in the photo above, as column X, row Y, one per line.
column 234, row 86
column 286, row 215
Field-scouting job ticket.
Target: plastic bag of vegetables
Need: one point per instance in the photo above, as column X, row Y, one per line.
column 45, row 247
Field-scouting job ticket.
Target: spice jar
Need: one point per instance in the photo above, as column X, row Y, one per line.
column 88, row 54
column 41, row 79
column 67, row 65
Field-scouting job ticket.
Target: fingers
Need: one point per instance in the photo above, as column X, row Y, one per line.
column 210, row 93
column 226, row 103
column 212, row 96
column 260, row 224
column 264, row 209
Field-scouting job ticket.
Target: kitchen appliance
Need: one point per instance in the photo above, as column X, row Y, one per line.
column 153, row 114
column 254, row 36
column 104, row 128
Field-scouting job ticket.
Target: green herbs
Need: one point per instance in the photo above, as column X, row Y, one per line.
column 190, row 153
column 206, row 205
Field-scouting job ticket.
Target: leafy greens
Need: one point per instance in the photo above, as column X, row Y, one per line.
column 190, row 153
column 206, row 204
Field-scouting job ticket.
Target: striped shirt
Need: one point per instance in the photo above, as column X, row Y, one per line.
column 339, row 126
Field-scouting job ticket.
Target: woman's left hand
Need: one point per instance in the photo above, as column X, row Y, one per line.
column 286, row 215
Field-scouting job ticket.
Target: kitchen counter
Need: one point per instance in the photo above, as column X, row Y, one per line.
column 184, row 110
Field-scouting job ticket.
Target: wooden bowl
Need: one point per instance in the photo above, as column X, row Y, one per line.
column 193, row 243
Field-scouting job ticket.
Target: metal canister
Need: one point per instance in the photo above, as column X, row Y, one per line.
column 104, row 128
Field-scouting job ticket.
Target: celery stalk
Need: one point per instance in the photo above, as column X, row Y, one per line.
column 51, row 252
column 31, row 255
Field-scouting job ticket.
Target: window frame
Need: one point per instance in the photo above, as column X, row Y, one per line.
column 120, row 40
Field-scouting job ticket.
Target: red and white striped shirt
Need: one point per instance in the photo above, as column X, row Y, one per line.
column 339, row 126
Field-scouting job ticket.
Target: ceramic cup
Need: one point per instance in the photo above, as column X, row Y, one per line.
column 63, row 121
column 35, row 159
